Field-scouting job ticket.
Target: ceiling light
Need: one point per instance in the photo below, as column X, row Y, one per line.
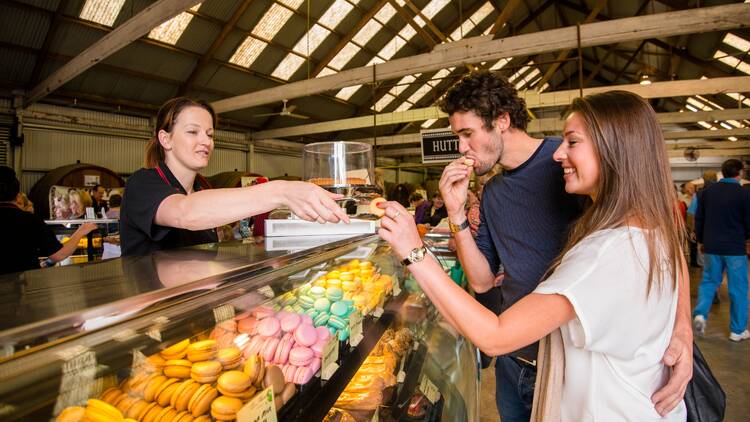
column 645, row 80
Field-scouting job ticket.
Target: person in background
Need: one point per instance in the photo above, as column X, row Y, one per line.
column 77, row 205
column 164, row 207
column 97, row 200
column 611, row 294
column 61, row 208
column 30, row 238
column 696, row 256
column 259, row 221
column 115, row 201
column 722, row 227
column 421, row 208
column 473, row 214
column 25, row 203
column 438, row 210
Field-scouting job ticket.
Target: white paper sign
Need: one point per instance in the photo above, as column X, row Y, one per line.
column 330, row 356
column 78, row 373
column 355, row 328
column 429, row 390
column 223, row 313
column 378, row 312
column 260, row 408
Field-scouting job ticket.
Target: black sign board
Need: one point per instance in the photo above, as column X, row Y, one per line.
column 439, row 146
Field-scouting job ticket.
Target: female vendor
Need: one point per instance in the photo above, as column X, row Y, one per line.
column 164, row 206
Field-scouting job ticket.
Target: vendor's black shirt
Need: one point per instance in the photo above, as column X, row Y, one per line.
column 144, row 192
column 26, row 239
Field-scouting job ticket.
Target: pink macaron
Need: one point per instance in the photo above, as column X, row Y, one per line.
column 263, row 312
column 318, row 347
column 289, row 322
column 253, row 347
column 303, row 375
column 248, row 326
column 242, row 316
column 323, row 333
column 288, row 371
column 305, row 335
column 315, row 365
column 306, row 319
column 282, row 351
column 301, row 356
column 269, row 348
column 269, row 327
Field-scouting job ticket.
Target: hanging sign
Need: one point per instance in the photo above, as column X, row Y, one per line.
column 439, row 146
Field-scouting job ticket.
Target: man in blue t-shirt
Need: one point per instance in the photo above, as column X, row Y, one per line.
column 722, row 226
column 525, row 217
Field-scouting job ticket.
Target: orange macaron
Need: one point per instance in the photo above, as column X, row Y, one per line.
column 229, row 357
column 206, row 372
column 201, row 400
column 176, row 351
column 374, row 209
column 178, row 368
column 225, row 408
column 99, row 411
column 202, row 350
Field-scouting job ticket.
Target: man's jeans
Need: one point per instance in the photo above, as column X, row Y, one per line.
column 736, row 268
column 514, row 389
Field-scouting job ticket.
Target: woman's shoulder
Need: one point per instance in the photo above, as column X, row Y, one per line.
column 144, row 175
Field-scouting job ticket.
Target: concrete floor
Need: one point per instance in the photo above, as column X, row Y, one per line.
column 729, row 361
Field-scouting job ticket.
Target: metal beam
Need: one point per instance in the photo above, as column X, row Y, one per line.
column 480, row 49
column 533, row 100
column 225, row 31
column 131, row 30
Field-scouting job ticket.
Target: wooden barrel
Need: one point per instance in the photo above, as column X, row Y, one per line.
column 73, row 176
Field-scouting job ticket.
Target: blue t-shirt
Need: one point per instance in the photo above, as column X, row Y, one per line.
column 722, row 222
column 526, row 216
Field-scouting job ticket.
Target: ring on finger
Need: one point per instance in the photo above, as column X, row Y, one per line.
column 396, row 214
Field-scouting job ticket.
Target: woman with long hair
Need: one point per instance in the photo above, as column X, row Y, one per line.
column 164, row 207
column 613, row 290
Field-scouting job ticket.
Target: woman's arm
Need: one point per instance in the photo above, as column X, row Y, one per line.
column 524, row 323
column 211, row 208
column 72, row 244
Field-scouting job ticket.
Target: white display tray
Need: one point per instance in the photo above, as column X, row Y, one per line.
column 294, row 227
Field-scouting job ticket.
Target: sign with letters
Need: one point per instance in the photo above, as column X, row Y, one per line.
column 439, row 146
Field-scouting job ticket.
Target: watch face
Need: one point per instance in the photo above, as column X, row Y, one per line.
column 417, row 255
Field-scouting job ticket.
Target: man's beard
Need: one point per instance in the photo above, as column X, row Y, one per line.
column 495, row 149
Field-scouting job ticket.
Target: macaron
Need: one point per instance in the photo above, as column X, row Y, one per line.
column 183, row 416
column 319, row 345
column 343, row 334
column 301, row 356
column 337, row 322
column 254, row 347
column 323, row 333
column 288, row 299
column 234, row 382
column 303, row 375
column 334, row 293
column 149, row 393
column 183, row 393
column 288, row 371
column 124, row 403
column 306, row 302
column 315, row 365
column 290, row 322
column 339, row 309
column 321, row 319
column 288, row 392
column 166, row 414
column 274, row 378
column 247, row 326
column 201, row 400
column 206, row 372
column 269, row 348
column 282, row 350
column 322, row 282
column 322, row 304
column 178, row 368
column 269, row 326
column 151, row 413
column 306, row 319
column 202, row 350
column 255, row 369
column 375, row 209
column 165, row 391
column 305, row 335
column 333, row 274
column 317, row 292
column 71, row 414
column 349, row 285
column 262, row 312
column 225, row 408
column 136, row 410
column 312, row 313
column 154, row 363
column 229, row 357
column 111, row 395
column 346, row 275
column 176, row 351
column 334, row 282
column 468, row 162
column 100, row 411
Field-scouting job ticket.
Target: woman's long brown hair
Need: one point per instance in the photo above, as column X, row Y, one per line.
column 635, row 182
column 165, row 120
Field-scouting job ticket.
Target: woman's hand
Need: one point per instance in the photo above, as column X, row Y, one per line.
column 397, row 227
column 311, row 202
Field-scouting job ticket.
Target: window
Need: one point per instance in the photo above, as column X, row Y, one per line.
column 311, row 41
column 346, row 93
column 335, row 14
column 247, row 52
column 170, row 31
column 383, row 102
column 272, row 21
column 343, row 57
column 367, row 32
column 385, row 13
column 427, row 123
column 737, row 42
column 101, row 11
column 732, row 61
column 288, row 66
column 472, row 21
column 267, row 28
column 500, row 63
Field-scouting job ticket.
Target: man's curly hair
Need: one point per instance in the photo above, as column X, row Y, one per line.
column 488, row 95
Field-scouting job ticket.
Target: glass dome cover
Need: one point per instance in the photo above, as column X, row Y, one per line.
column 339, row 164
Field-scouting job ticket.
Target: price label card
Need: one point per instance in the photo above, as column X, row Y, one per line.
column 223, row 313
column 154, row 333
column 355, row 328
column 330, row 356
column 267, row 291
column 260, row 409
column 429, row 390
column 396, row 285
column 376, row 415
column 378, row 312
column 78, row 373
column 139, row 360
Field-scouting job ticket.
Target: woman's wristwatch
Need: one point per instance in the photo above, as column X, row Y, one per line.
column 416, row 255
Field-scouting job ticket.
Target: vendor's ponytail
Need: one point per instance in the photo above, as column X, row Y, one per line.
column 165, row 119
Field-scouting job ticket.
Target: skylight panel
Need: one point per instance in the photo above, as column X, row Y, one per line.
column 272, row 21
column 343, row 57
column 473, row 21
column 367, row 32
column 697, row 104
column 420, row 93
column 691, row 107
column 346, row 93
column 292, row 4
column 407, row 32
column 709, row 102
column 170, row 31
column 741, row 98
column 375, row 60
column 706, row 125
column 482, row 13
column 434, row 7
column 385, row 13
column 544, row 87
column 402, row 84
column 519, row 73
column 419, row 21
column 726, row 125
column 383, row 102
column 500, row 63
column 737, row 42
column 389, row 50
column 288, row 66
column 248, row 52
column 441, row 74
column 335, row 14
column 427, row 123
column 404, row 106
column 326, row 71
column 101, row 11
column 732, row 61
column 465, row 27
column 312, row 40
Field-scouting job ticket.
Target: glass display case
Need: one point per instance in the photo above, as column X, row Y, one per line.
column 317, row 331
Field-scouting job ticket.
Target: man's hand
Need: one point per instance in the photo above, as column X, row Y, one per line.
column 454, row 185
column 679, row 357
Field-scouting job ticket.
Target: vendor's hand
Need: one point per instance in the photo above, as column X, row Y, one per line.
column 454, row 185
column 397, row 227
column 679, row 357
column 312, row 203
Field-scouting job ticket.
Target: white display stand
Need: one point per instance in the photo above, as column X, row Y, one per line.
column 295, row 227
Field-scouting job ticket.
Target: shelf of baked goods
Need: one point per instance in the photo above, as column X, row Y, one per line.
column 214, row 353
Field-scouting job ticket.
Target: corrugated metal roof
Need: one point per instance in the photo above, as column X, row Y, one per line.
column 23, row 27
column 19, row 67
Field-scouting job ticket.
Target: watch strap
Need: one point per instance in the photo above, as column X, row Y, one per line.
column 408, row 260
column 455, row 228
